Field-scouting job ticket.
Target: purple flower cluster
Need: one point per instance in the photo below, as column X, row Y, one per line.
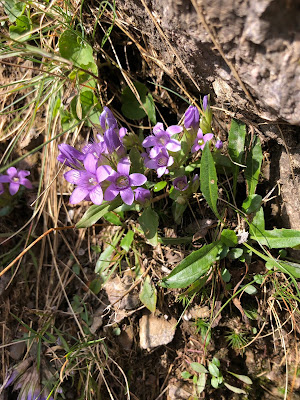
column 25, row 378
column 101, row 170
column 15, row 178
column 162, row 142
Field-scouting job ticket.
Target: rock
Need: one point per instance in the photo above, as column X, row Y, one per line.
column 259, row 38
column 116, row 289
column 156, row 331
column 197, row 312
column 178, row 392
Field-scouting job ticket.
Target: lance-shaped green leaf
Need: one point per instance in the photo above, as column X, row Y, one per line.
column 149, row 223
column 252, row 203
column 254, row 160
column 193, row 266
column 285, row 266
column 278, row 238
column 236, row 146
column 208, row 179
column 94, row 213
column 148, row 294
column 257, row 226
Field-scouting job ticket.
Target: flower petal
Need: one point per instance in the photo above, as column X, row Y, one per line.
column 90, row 163
column 199, row 134
column 25, row 182
column 78, row 195
column 137, row 179
column 208, row 137
column 11, row 172
column 149, row 141
column 158, row 128
column 173, row 129
column 173, row 145
column 103, row 172
column 124, row 166
column 110, row 193
column 13, row 188
column 96, row 195
column 5, row 178
column 170, row 161
column 160, row 171
column 127, row 196
column 72, row 176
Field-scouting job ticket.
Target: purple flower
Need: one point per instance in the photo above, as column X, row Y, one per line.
column 160, row 162
column 219, row 144
column 107, row 119
column 180, row 183
column 205, row 102
column 15, row 178
column 201, row 140
column 163, row 139
column 122, row 182
column 95, row 148
column 88, row 181
column 69, row 155
column 192, row 117
column 142, row 195
column 113, row 141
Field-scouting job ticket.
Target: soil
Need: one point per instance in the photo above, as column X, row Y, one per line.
column 31, row 295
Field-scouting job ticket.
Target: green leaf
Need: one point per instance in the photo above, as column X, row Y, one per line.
column 208, row 179
column 278, row 238
column 214, row 370
column 127, row 240
column 137, row 162
column 193, row 266
column 229, row 238
column 106, row 256
column 185, row 375
column 159, row 186
column 94, row 213
column 113, row 218
column 214, row 382
column 254, row 160
column 149, row 223
column 252, row 203
column 148, row 294
column 95, row 285
column 200, row 385
column 285, row 266
column 226, row 275
column 236, row 146
column 250, row 289
column 216, row 361
column 14, row 9
column 235, row 253
column 197, row 367
column 73, row 48
column 132, row 109
column 178, row 211
column 234, row 389
column 23, row 25
column 243, row 378
column 257, row 226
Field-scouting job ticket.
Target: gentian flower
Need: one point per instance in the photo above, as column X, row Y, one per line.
column 205, row 102
column 15, row 178
column 113, row 141
column 192, row 117
column 122, row 182
column 142, row 195
column 201, row 140
column 180, row 183
column 160, row 162
column 163, row 139
column 107, row 119
column 219, row 144
column 88, row 181
column 69, row 155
